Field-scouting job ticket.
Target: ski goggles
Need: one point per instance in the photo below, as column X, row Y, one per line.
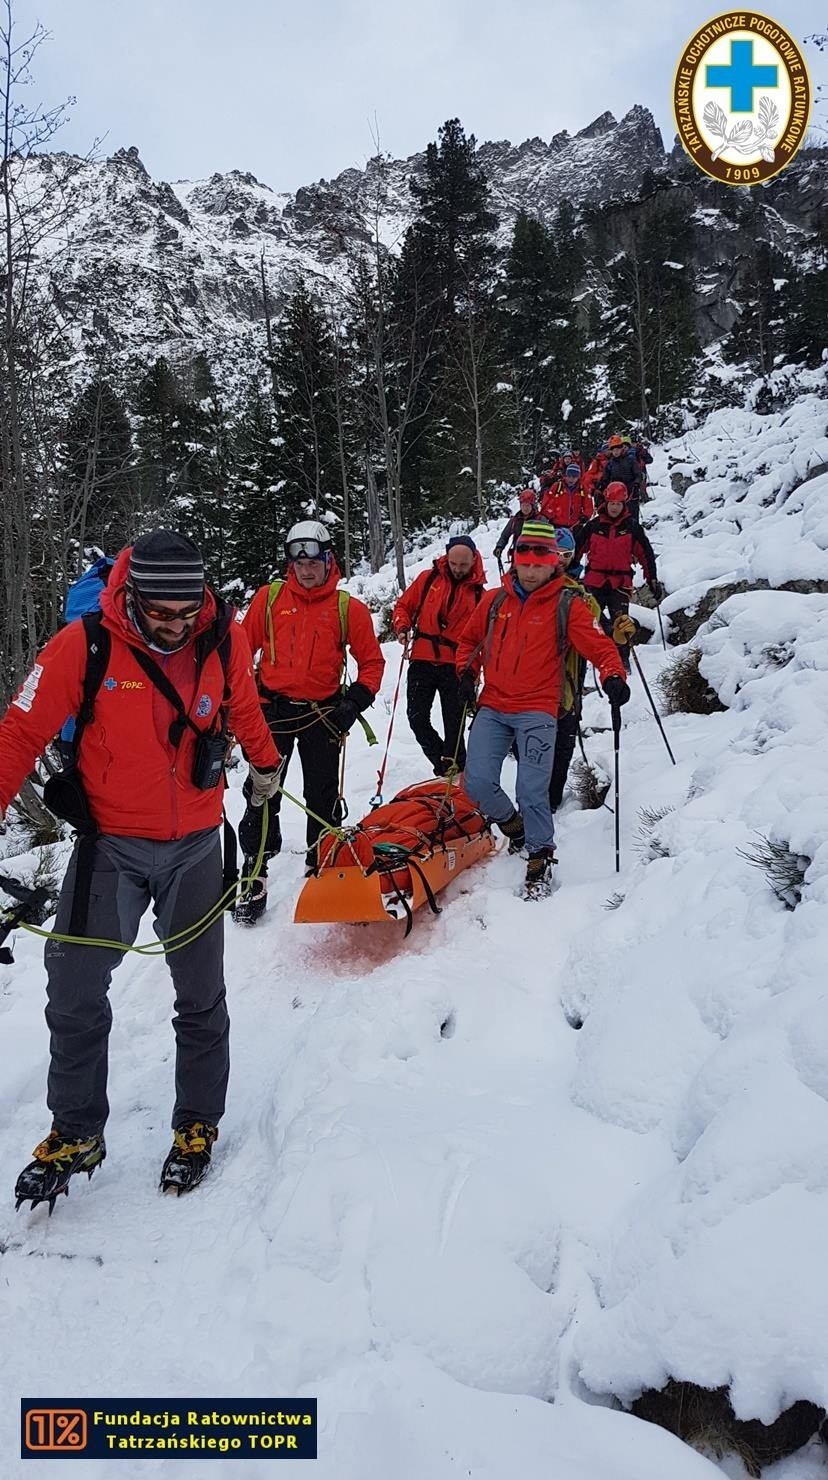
column 306, row 550
column 526, row 554
column 164, row 614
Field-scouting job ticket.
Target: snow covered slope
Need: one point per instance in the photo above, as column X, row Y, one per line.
column 464, row 1225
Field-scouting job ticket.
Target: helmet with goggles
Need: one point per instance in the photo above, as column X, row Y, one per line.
column 308, row 540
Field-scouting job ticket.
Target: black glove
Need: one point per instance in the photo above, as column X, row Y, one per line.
column 359, row 695
column 467, row 690
column 617, row 691
column 657, row 589
column 342, row 716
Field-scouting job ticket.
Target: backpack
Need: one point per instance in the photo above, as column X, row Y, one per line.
column 568, row 595
column 83, row 597
column 64, row 793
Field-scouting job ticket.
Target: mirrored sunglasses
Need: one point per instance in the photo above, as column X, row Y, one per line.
column 164, row 614
column 547, row 550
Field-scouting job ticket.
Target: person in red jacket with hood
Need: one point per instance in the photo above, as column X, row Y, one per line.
column 431, row 614
column 153, row 839
column 520, row 636
column 566, row 504
column 297, row 626
column 509, row 535
column 613, row 542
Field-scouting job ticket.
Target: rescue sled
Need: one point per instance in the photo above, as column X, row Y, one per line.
column 398, row 858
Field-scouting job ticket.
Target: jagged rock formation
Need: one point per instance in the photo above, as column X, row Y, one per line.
column 143, row 266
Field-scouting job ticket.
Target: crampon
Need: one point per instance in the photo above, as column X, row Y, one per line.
column 188, row 1162
column 56, row 1160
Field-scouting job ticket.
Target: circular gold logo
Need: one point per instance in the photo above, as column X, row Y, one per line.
column 742, row 98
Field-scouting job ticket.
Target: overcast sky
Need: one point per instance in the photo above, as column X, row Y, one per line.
column 289, row 88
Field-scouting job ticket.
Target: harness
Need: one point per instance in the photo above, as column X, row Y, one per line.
column 343, row 604
column 437, row 639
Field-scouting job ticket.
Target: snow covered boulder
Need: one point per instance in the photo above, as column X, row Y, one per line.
column 704, row 1418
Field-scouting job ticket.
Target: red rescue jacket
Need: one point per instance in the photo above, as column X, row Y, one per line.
column 522, row 668
column 443, row 613
column 307, row 658
column 595, row 472
column 612, row 548
column 565, row 506
column 137, row 782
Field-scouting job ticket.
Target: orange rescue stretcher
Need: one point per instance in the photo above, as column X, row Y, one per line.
column 399, row 857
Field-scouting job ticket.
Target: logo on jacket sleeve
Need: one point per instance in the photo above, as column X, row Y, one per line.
column 25, row 698
column 204, row 706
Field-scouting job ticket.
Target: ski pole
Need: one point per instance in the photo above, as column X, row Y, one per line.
column 376, row 800
column 652, row 705
column 499, row 566
column 661, row 625
column 615, row 710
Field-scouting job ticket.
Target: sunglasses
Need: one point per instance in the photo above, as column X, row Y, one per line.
column 163, row 613
column 536, row 550
column 305, row 550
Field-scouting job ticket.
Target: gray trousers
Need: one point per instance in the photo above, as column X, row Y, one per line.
column 181, row 879
column 490, row 739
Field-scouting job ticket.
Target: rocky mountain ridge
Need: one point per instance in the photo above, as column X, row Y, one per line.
column 144, row 267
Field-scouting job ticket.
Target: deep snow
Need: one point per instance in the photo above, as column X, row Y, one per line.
column 435, row 1205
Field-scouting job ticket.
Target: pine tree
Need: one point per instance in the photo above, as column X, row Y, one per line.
column 759, row 332
column 546, row 335
column 202, row 492
column 97, row 498
column 453, row 215
column 258, row 522
column 648, row 324
column 307, row 451
column 161, row 414
column 806, row 309
column 448, row 264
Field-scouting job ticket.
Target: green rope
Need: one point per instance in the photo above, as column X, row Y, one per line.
column 182, row 938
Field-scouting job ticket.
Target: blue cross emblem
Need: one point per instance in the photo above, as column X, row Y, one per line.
column 110, row 683
column 741, row 76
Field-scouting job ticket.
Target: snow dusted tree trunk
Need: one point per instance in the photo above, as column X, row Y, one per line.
column 376, row 543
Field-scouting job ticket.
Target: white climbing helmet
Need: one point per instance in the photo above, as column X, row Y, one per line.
column 308, row 540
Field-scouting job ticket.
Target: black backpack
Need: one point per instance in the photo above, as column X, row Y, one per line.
column 64, row 793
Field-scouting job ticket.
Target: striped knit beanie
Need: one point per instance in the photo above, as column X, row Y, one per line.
column 540, row 534
column 165, row 566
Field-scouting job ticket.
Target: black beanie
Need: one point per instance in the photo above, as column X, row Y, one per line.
column 165, row 566
column 461, row 539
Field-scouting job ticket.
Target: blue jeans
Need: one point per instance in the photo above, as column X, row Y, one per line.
column 489, row 742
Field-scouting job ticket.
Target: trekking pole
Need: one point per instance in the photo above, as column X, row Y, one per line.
column 586, row 760
column 661, row 625
column 499, row 565
column 615, row 710
column 376, row 800
column 341, row 804
column 652, row 705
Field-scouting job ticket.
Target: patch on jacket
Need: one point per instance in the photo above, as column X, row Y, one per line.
column 204, row 706
column 25, row 698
